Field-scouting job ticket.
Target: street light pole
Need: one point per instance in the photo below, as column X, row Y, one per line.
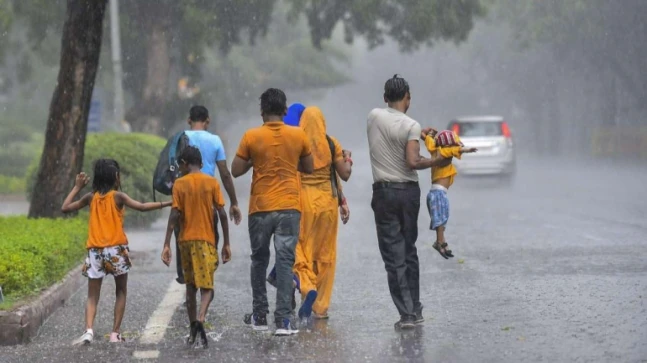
column 116, row 64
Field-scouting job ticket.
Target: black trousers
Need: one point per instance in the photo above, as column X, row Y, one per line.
column 396, row 207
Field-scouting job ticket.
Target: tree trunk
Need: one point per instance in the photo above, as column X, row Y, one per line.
column 147, row 115
column 67, row 124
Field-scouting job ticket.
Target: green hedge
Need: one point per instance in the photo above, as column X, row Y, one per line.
column 137, row 156
column 36, row 253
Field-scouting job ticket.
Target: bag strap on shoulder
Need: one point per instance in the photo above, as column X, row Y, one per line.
column 172, row 153
column 333, row 173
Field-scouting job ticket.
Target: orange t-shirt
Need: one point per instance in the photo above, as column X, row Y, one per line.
column 106, row 225
column 196, row 195
column 275, row 150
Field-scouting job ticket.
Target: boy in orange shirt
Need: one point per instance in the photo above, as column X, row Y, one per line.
column 195, row 197
column 445, row 144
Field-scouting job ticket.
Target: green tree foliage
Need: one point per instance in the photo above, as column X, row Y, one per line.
column 409, row 22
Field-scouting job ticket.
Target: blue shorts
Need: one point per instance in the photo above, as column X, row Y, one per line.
column 438, row 206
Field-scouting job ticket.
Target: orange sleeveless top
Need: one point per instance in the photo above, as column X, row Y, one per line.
column 106, row 226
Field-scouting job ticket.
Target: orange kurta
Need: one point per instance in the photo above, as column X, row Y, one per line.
column 316, row 252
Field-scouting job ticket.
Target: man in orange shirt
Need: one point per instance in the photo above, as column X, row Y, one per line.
column 276, row 152
column 195, row 196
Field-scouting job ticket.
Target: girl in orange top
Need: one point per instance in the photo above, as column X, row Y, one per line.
column 107, row 243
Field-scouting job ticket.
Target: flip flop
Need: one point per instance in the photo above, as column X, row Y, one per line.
column 438, row 248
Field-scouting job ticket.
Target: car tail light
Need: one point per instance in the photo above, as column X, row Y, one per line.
column 505, row 130
column 456, row 128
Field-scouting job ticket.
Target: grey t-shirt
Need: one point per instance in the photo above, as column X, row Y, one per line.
column 389, row 131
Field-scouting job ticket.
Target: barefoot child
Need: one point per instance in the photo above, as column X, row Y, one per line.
column 107, row 243
column 444, row 144
column 195, row 197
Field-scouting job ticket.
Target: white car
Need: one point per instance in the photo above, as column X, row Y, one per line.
column 491, row 136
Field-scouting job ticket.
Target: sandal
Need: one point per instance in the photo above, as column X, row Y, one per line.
column 116, row 338
column 438, row 247
column 448, row 253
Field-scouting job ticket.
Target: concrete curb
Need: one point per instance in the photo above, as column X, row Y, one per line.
column 21, row 324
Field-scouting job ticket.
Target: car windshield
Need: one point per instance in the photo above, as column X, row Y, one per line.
column 477, row 129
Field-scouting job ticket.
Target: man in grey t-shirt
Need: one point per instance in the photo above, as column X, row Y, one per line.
column 393, row 139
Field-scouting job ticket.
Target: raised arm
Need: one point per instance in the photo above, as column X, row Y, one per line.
column 123, row 199
column 68, row 205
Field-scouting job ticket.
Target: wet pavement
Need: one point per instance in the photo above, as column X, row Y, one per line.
column 552, row 269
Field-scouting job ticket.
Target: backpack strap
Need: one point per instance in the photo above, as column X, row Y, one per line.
column 172, row 153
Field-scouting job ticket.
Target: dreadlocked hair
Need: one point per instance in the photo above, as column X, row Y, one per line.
column 105, row 175
column 191, row 156
column 395, row 89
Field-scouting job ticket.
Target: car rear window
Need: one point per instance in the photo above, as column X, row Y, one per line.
column 476, row 129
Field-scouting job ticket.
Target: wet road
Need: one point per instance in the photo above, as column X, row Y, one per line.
column 553, row 269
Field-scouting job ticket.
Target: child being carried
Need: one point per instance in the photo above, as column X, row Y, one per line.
column 444, row 144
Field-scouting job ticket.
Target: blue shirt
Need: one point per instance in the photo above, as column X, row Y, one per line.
column 210, row 147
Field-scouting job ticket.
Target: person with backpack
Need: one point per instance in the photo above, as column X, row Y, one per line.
column 213, row 156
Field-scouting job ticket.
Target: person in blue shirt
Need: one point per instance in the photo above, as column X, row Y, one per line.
column 213, row 157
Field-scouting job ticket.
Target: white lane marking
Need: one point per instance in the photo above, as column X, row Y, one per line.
column 158, row 322
column 147, row 354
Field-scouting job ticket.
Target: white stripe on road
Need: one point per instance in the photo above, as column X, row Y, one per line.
column 158, row 322
column 147, row 354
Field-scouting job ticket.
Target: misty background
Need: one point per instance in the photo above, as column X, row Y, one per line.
column 566, row 75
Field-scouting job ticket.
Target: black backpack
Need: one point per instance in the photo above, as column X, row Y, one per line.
column 167, row 170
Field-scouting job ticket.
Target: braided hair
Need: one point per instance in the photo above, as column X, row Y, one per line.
column 395, row 89
column 106, row 176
